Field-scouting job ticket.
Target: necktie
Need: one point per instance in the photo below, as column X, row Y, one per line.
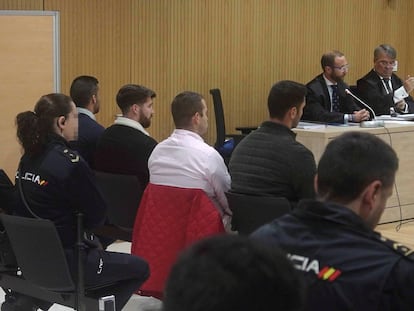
column 335, row 98
column 387, row 85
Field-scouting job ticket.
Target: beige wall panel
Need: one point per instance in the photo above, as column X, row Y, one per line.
column 409, row 42
column 26, row 62
column 239, row 46
column 96, row 40
column 21, row 4
column 243, row 47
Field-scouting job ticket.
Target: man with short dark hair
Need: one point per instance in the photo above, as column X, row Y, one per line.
column 269, row 161
column 185, row 160
column 326, row 100
column 382, row 89
column 346, row 264
column 231, row 272
column 125, row 146
column 84, row 92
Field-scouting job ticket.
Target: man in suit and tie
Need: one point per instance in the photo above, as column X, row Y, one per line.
column 383, row 90
column 326, row 100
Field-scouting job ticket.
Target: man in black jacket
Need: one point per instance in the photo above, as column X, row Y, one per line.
column 269, row 161
column 383, row 90
column 326, row 100
column 346, row 264
column 125, row 146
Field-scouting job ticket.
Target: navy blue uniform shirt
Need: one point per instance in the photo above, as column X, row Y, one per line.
column 346, row 265
column 56, row 184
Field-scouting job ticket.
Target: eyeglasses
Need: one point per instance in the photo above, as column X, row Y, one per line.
column 342, row 68
column 385, row 63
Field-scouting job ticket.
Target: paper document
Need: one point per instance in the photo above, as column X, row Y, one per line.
column 310, row 125
column 400, row 117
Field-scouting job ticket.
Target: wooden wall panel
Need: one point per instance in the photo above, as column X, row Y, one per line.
column 96, row 40
column 240, row 46
column 26, row 62
column 21, row 4
column 243, row 47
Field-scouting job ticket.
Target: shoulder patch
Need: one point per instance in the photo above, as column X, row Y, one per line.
column 398, row 247
column 72, row 156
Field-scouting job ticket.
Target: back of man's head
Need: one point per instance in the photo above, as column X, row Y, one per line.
column 183, row 108
column 131, row 94
column 82, row 89
column 231, row 272
column 351, row 162
column 284, row 95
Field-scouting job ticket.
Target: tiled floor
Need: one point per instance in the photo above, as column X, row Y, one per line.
column 136, row 303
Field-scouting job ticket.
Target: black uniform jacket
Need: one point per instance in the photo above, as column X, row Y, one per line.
column 346, row 265
column 56, row 184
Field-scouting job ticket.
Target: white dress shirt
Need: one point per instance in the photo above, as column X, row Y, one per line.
column 185, row 160
column 399, row 94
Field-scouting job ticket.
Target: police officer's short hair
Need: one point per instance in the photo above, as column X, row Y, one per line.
column 131, row 94
column 351, row 162
column 231, row 272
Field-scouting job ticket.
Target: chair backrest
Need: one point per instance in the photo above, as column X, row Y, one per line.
column 250, row 212
column 168, row 220
column 7, row 191
column 219, row 116
column 39, row 252
column 122, row 194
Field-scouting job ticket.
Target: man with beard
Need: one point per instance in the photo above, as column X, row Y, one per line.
column 125, row 146
column 326, row 100
column 269, row 161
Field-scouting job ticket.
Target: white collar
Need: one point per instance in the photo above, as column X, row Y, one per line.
column 188, row 133
column 120, row 120
column 87, row 112
column 381, row 77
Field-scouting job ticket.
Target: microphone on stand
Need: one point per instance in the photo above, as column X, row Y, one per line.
column 374, row 122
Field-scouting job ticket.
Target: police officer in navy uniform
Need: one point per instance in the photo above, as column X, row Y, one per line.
column 345, row 263
column 56, row 183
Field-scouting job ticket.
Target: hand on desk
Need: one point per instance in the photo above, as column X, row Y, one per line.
column 361, row 115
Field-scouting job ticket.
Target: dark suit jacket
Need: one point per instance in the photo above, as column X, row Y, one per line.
column 372, row 91
column 318, row 102
column 124, row 150
column 89, row 132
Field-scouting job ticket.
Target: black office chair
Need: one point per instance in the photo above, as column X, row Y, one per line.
column 122, row 194
column 7, row 193
column 44, row 269
column 250, row 212
column 225, row 142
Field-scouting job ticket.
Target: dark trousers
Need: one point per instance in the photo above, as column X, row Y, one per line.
column 110, row 273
